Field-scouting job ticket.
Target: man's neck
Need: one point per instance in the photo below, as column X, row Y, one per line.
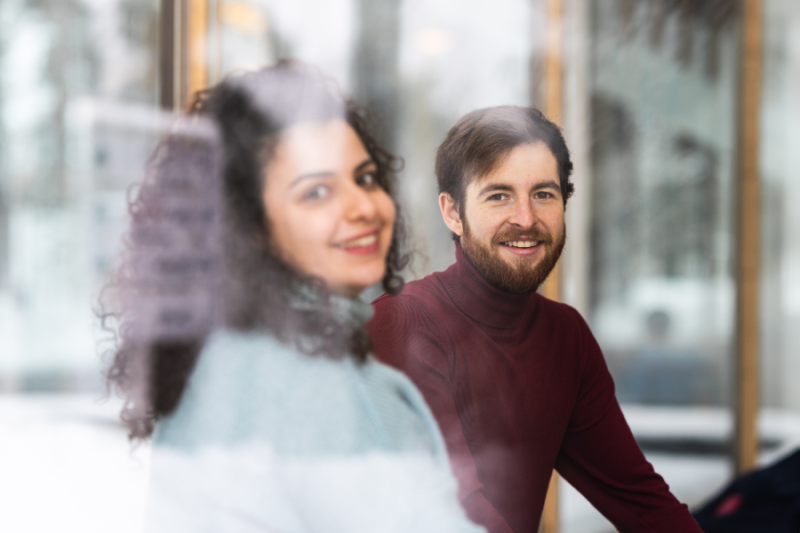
column 478, row 299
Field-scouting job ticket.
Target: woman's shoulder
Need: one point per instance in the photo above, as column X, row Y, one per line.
column 406, row 414
column 387, row 378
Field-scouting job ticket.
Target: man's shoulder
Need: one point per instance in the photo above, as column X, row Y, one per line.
column 567, row 331
column 559, row 312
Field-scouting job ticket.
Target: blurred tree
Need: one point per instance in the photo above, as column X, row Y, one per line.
column 713, row 15
column 139, row 27
column 616, row 232
column 375, row 78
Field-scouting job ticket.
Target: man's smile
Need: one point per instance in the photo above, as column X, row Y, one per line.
column 521, row 244
column 522, row 248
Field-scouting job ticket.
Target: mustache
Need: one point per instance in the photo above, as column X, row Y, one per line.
column 533, row 234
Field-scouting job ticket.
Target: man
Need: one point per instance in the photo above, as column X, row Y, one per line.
column 517, row 382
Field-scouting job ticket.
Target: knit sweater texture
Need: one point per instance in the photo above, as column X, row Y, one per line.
column 266, row 438
column 520, row 387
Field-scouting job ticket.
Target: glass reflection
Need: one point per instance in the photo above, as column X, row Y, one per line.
column 77, row 78
column 663, row 119
column 663, row 100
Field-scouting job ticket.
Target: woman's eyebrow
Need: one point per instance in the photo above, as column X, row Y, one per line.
column 312, row 175
column 365, row 163
column 328, row 173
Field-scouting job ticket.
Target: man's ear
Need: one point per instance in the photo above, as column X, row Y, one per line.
column 450, row 214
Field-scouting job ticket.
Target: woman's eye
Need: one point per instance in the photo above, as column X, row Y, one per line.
column 367, row 179
column 316, row 193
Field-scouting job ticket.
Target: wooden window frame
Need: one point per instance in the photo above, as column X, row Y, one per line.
column 185, row 51
column 748, row 238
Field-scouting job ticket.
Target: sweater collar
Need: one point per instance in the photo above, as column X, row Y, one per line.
column 346, row 312
column 479, row 300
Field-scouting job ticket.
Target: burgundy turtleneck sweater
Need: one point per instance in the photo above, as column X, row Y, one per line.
column 519, row 387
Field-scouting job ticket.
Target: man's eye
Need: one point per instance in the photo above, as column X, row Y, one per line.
column 497, row 197
column 543, row 195
column 317, row 193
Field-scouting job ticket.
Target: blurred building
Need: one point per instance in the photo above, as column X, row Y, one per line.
column 650, row 99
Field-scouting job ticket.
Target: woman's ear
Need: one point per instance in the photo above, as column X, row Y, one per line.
column 450, row 214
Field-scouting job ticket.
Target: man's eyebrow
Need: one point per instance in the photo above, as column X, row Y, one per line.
column 492, row 187
column 548, row 185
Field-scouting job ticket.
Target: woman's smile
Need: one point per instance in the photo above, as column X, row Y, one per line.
column 366, row 243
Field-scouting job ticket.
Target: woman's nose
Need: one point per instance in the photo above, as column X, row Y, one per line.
column 359, row 204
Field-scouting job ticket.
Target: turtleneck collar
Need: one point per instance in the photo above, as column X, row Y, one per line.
column 480, row 301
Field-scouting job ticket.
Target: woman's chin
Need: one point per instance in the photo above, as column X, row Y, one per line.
column 348, row 291
column 355, row 285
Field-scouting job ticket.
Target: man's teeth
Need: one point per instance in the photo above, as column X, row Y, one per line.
column 363, row 241
column 521, row 244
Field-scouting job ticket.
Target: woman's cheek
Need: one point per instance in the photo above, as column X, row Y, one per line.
column 387, row 208
column 319, row 226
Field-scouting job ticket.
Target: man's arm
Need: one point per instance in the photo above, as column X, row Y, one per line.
column 601, row 459
column 402, row 337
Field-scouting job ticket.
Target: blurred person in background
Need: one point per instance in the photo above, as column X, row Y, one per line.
column 242, row 349
column 517, row 382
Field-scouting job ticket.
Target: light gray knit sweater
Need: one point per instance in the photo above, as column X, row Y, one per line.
column 266, row 438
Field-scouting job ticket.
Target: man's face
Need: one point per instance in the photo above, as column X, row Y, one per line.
column 512, row 222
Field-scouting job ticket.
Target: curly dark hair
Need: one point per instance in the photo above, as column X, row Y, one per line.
column 198, row 252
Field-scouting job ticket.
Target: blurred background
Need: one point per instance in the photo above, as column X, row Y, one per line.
column 683, row 118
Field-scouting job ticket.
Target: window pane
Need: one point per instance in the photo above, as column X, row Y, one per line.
column 780, row 271
column 77, row 123
column 664, row 84
column 77, row 85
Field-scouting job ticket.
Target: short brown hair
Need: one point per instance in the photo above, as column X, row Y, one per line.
column 480, row 140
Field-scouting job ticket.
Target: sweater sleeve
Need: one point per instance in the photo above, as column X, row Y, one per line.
column 403, row 337
column 600, row 457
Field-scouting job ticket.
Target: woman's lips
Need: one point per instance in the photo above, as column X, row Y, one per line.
column 362, row 244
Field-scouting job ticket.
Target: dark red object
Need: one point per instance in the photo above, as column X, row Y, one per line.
column 729, row 505
column 766, row 500
column 519, row 386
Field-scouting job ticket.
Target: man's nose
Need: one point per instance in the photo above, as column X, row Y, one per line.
column 524, row 215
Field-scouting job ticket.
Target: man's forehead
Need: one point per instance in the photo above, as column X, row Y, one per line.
column 531, row 161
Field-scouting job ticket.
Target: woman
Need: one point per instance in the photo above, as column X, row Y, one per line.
column 262, row 218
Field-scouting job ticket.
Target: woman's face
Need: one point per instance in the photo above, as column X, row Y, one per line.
column 328, row 215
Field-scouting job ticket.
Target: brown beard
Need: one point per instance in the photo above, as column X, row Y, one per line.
column 528, row 274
